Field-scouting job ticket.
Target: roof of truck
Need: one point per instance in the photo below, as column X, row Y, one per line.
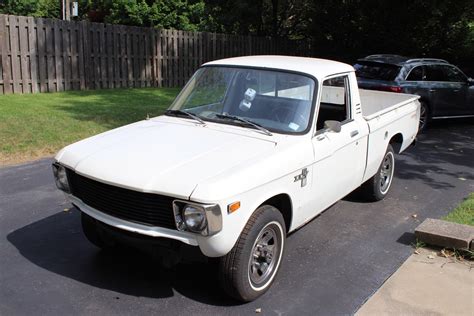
column 318, row 68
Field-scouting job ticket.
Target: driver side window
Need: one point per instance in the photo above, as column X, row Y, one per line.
column 334, row 105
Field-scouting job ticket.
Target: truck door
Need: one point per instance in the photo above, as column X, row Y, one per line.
column 339, row 157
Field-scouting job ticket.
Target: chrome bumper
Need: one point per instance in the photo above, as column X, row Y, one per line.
column 184, row 237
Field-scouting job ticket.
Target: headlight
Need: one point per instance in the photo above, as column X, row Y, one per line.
column 204, row 219
column 194, row 218
column 60, row 177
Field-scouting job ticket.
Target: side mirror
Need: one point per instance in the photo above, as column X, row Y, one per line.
column 333, row 126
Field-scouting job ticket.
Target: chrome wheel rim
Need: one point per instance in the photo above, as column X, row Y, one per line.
column 386, row 172
column 265, row 255
column 423, row 116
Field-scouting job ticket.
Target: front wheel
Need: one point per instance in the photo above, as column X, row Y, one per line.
column 377, row 187
column 249, row 269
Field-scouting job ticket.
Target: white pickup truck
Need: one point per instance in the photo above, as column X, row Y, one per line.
column 251, row 149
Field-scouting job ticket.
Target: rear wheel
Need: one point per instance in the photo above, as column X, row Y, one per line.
column 248, row 270
column 424, row 116
column 377, row 187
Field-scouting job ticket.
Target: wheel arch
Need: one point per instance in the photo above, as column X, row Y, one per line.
column 396, row 141
column 426, row 102
column 282, row 202
column 220, row 244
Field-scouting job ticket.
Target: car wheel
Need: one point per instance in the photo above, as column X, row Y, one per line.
column 377, row 187
column 424, row 116
column 249, row 269
column 89, row 227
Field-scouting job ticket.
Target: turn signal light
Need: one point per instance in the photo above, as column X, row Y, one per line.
column 233, row 207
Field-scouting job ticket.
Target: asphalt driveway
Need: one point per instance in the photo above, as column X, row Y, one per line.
column 331, row 266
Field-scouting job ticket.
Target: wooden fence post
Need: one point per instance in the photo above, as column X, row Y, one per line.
column 32, row 34
column 4, row 47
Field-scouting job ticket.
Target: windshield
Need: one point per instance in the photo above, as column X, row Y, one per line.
column 274, row 100
column 375, row 70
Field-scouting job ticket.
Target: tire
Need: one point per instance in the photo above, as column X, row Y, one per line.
column 248, row 270
column 377, row 187
column 89, row 227
column 424, row 116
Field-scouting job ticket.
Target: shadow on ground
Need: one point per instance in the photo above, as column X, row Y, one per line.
column 407, row 239
column 57, row 244
column 444, row 143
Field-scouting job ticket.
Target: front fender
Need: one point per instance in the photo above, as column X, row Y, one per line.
column 233, row 224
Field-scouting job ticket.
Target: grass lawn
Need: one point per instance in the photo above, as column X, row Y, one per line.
column 463, row 213
column 38, row 125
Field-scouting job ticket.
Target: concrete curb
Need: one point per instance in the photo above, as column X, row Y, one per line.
column 445, row 234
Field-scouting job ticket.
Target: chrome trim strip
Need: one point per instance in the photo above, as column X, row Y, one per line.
column 450, row 117
column 413, row 60
column 186, row 238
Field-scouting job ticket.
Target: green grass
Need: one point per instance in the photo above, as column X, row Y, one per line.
column 38, row 125
column 417, row 244
column 463, row 213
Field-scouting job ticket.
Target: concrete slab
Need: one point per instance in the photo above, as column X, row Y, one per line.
column 426, row 284
column 445, row 234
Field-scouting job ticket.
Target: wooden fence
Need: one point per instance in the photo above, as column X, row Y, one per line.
column 46, row 55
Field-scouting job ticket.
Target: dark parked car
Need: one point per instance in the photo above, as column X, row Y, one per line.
column 446, row 92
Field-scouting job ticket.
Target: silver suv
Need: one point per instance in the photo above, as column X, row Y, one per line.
column 446, row 92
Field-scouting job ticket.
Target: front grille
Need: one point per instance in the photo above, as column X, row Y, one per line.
column 144, row 208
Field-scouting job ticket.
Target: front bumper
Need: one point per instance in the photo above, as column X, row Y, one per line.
column 185, row 237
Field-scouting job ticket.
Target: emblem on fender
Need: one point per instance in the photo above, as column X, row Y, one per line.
column 302, row 177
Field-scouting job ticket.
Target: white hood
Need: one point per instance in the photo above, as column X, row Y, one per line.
column 164, row 155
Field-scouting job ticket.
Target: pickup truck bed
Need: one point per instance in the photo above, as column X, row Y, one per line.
column 376, row 103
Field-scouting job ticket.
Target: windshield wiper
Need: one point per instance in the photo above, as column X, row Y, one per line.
column 181, row 112
column 246, row 121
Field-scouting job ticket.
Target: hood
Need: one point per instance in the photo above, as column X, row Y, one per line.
column 164, row 155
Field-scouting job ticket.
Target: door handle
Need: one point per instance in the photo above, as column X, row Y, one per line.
column 354, row 133
column 432, row 90
column 320, row 137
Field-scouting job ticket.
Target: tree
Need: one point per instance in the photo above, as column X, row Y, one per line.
column 338, row 29
column 177, row 14
column 38, row 8
column 351, row 29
